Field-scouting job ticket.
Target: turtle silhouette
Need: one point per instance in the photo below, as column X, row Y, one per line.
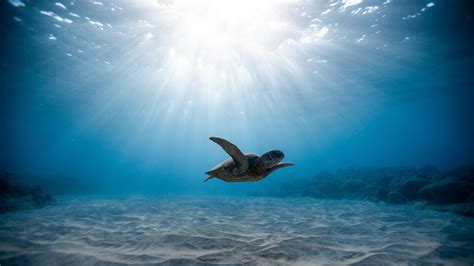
column 245, row 167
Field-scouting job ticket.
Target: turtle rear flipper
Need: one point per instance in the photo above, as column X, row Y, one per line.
column 234, row 152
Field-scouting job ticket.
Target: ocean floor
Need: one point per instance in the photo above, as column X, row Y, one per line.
column 232, row 230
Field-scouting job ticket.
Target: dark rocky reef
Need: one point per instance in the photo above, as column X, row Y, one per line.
column 427, row 186
column 14, row 196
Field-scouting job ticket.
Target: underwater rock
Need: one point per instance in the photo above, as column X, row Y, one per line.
column 323, row 185
column 427, row 186
column 396, row 198
column 385, row 180
column 354, row 186
column 382, row 193
column 430, row 172
column 447, row 192
column 465, row 209
column 14, row 196
column 465, row 173
column 410, row 188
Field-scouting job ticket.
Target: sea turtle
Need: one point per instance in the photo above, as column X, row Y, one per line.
column 246, row 167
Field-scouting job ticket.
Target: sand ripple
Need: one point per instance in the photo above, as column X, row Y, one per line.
column 226, row 230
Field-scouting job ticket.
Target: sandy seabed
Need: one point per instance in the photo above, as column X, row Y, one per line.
column 232, row 230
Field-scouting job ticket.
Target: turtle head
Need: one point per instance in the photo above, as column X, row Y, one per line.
column 271, row 158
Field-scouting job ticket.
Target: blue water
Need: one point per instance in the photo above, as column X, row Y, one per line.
column 120, row 97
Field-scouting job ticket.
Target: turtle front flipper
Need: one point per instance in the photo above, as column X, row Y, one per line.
column 234, row 152
column 276, row 167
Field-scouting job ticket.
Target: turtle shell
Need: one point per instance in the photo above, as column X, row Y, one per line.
column 229, row 164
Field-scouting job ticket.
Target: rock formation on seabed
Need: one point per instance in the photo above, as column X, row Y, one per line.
column 14, row 196
column 428, row 187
